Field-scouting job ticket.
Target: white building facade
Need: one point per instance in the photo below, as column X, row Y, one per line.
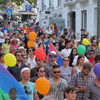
column 77, row 14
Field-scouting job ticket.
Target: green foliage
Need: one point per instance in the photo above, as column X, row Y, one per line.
column 18, row 2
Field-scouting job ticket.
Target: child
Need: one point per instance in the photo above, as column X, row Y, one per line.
column 70, row 93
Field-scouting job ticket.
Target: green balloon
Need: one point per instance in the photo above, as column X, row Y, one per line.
column 81, row 49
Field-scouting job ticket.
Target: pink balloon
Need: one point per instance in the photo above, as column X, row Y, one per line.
column 40, row 54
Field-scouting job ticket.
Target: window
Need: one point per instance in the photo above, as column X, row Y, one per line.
column 59, row 3
column 84, row 20
column 42, row 5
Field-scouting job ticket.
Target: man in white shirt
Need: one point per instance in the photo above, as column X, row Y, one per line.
column 48, row 31
column 66, row 52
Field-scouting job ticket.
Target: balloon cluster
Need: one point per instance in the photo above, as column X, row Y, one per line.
column 32, row 37
column 81, row 48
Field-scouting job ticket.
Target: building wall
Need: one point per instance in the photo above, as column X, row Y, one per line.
column 89, row 5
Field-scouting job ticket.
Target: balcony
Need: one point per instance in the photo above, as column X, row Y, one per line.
column 69, row 2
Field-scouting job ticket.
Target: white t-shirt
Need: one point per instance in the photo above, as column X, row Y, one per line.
column 48, row 32
column 66, row 52
column 32, row 63
column 75, row 60
column 2, row 40
column 21, row 25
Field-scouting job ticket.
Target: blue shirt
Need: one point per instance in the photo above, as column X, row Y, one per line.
column 60, row 31
column 66, row 74
column 4, row 30
column 30, row 88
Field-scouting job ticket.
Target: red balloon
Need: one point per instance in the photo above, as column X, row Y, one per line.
column 40, row 54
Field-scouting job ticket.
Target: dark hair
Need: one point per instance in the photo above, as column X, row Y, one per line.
column 65, row 29
column 67, row 42
column 55, row 66
column 1, row 54
column 54, row 23
column 72, row 57
column 53, row 34
column 97, row 58
column 40, row 44
column 33, row 49
column 7, row 39
column 17, row 52
column 87, row 65
column 92, row 40
column 60, row 26
column 79, row 57
column 66, row 57
column 82, row 29
column 62, row 36
column 92, row 51
column 65, row 33
column 39, row 68
column 71, row 54
column 14, row 33
column 22, row 43
column 79, row 42
column 70, row 88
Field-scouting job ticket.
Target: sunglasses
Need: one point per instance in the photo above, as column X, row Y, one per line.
column 30, row 50
column 54, row 56
column 66, row 60
column 19, row 55
column 56, row 72
column 73, row 93
column 90, row 53
column 39, row 60
column 25, row 87
column 24, row 57
column 42, row 71
column 94, row 42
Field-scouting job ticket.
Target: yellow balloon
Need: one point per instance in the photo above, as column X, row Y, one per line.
column 99, row 45
column 85, row 41
column 10, row 60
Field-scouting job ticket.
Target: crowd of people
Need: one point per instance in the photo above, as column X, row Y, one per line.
column 75, row 80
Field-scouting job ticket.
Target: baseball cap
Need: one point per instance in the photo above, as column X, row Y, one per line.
column 53, row 53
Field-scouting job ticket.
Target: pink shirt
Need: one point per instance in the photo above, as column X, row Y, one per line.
column 14, row 47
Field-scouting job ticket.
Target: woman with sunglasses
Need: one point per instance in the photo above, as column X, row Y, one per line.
column 66, row 70
column 31, row 58
column 79, row 65
column 14, row 46
column 25, row 59
column 40, row 73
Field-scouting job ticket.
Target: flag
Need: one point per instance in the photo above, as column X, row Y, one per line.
column 58, row 59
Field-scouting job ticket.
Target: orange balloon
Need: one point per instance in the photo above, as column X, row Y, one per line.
column 19, row 35
column 30, row 44
column 42, row 85
column 32, row 36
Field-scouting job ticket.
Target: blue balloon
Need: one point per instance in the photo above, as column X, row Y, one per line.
column 97, row 70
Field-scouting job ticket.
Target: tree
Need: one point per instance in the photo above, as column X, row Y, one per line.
column 18, row 2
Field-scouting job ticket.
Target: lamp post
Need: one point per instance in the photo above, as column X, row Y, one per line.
column 98, row 19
